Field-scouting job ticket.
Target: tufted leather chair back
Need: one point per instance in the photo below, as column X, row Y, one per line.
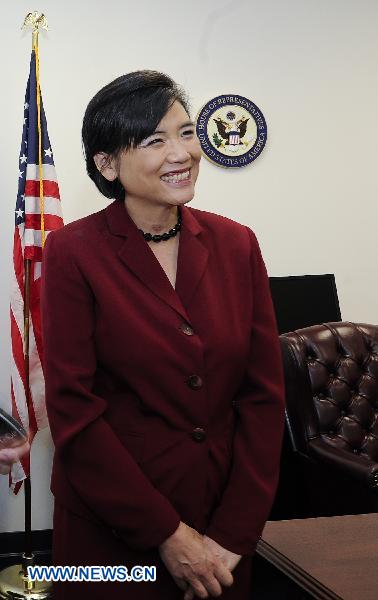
column 331, row 375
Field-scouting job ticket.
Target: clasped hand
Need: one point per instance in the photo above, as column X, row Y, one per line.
column 197, row 563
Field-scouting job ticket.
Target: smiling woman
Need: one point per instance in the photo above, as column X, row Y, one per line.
column 139, row 101
column 162, row 364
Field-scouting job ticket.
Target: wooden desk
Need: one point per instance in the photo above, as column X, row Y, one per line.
column 331, row 558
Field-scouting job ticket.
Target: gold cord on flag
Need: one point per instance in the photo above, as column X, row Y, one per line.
column 38, row 21
column 41, row 194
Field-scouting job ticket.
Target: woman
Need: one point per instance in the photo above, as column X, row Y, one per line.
column 163, row 370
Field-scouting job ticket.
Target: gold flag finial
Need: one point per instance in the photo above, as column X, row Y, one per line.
column 36, row 21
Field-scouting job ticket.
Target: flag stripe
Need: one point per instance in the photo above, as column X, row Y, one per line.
column 18, row 374
column 33, row 237
column 35, row 312
column 33, row 222
column 20, row 468
column 52, row 205
column 50, row 188
column 17, row 314
column 33, row 253
column 32, row 172
column 18, row 269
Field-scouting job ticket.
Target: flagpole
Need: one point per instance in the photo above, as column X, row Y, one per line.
column 28, row 552
column 14, row 580
column 36, row 21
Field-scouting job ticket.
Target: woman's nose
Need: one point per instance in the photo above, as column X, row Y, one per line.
column 178, row 152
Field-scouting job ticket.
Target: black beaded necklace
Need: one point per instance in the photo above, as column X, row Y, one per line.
column 161, row 237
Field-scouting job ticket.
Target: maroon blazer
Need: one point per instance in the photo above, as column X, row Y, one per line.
column 164, row 404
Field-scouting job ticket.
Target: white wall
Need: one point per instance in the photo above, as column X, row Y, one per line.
column 311, row 197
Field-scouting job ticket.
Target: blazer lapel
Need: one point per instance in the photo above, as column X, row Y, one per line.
column 192, row 257
column 139, row 258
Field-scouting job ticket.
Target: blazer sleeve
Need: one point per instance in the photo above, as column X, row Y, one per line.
column 238, row 521
column 98, row 466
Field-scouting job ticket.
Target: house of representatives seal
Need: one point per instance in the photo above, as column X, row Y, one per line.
column 232, row 130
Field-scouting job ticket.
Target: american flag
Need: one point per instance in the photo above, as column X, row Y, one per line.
column 28, row 405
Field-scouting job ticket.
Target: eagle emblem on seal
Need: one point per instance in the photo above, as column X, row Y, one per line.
column 232, row 131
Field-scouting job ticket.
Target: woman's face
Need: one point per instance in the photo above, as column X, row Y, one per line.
column 163, row 169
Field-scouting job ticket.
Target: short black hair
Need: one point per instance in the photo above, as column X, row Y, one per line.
column 122, row 114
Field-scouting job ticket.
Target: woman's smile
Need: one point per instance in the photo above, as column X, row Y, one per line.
column 178, row 178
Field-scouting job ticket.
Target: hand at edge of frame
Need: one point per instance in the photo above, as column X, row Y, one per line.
column 8, row 456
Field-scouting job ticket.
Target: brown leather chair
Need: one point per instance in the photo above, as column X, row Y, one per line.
column 331, row 374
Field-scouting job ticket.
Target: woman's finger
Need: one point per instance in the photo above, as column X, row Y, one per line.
column 223, row 574
column 181, row 583
column 212, row 585
column 189, row 594
column 199, row 589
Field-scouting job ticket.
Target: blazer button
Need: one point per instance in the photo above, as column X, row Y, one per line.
column 195, row 382
column 187, row 329
column 199, row 434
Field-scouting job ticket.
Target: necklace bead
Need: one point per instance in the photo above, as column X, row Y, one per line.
column 161, row 237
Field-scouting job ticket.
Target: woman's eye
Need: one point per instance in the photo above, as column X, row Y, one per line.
column 154, row 141
column 186, row 133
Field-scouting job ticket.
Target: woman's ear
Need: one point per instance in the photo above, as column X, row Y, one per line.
column 106, row 165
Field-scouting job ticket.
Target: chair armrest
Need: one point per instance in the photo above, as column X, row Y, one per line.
column 359, row 467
